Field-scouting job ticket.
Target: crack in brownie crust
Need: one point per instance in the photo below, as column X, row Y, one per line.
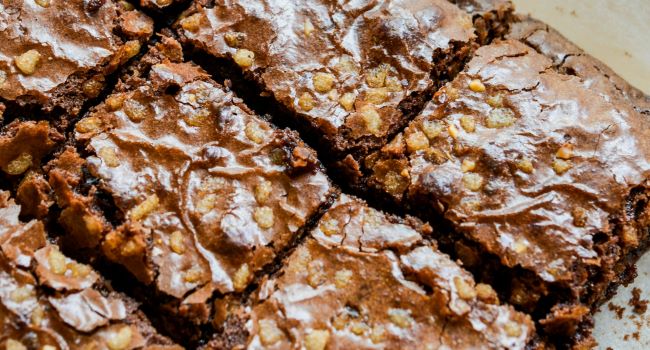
column 48, row 301
column 57, row 53
column 365, row 280
column 532, row 166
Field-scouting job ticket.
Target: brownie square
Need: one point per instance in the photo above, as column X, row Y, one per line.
column 49, row 301
column 347, row 75
column 56, row 54
column 533, row 171
column 367, row 280
column 184, row 186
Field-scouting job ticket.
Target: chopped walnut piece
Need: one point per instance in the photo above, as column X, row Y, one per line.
column 393, row 84
column 416, row 141
column 206, row 204
column 486, row 293
column 12, row 344
column 193, row 275
column 329, row 226
column 520, row 246
column 512, row 329
column 346, row 65
column 241, row 277
column 21, row 294
column 20, row 165
column 57, row 262
column 244, row 58
column 468, row 165
column 495, row 101
column 131, row 48
column 630, row 236
column 115, row 102
column 306, row 102
column 254, row 132
column 177, row 242
column 579, row 216
column 136, row 111
column 234, row 39
column 453, row 131
column 192, row 23
column 163, row 3
column 342, row 278
column 79, row 270
column 372, row 119
column 43, row 3
column 525, row 165
column 315, row 274
column 121, row 339
column 378, row 334
column 465, row 290
column 561, row 166
column 37, row 317
column 500, row 118
column 323, row 82
column 86, row 125
column 468, row 123
column 269, row 332
column 28, row 61
column 308, row 27
column 376, row 96
column 264, row 217
column 400, row 317
column 358, row 327
column 145, row 208
column 263, row 191
column 473, row 182
column 93, row 87
column 109, row 156
column 476, row 85
column 376, row 77
column 432, row 129
column 347, row 101
column 565, row 152
column 317, row 340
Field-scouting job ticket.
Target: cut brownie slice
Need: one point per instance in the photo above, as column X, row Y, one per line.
column 348, row 75
column 572, row 60
column 185, row 187
column 56, row 54
column 48, row 301
column 536, row 172
column 366, row 280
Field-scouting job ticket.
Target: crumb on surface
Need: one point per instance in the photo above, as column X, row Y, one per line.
column 639, row 305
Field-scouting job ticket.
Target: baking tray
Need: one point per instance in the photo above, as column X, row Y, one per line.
column 618, row 33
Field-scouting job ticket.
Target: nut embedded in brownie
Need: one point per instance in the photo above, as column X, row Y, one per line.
column 56, row 54
column 534, row 172
column 350, row 75
column 202, row 194
column 49, row 301
column 366, row 280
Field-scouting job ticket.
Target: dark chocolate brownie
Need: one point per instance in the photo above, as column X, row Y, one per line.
column 366, row 280
column 202, row 194
column 570, row 59
column 49, row 301
column 348, row 75
column 535, row 171
column 56, row 54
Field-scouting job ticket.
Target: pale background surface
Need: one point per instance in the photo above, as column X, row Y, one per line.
column 618, row 33
column 615, row 31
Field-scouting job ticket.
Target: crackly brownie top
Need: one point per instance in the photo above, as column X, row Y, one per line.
column 23, row 144
column 368, row 281
column 45, row 42
column 207, row 191
column 524, row 160
column 342, row 64
column 48, row 301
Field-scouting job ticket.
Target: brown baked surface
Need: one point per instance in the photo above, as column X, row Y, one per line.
column 196, row 161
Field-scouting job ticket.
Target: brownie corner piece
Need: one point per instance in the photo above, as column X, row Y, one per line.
column 56, row 54
column 184, row 186
column 542, row 175
column 349, row 75
column 49, row 301
column 364, row 280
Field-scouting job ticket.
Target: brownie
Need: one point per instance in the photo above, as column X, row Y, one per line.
column 367, row 280
column 570, row 59
column 533, row 171
column 184, row 186
column 348, row 76
column 56, row 54
column 49, row 301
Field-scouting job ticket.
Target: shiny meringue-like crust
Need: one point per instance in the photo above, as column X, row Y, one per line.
column 47, row 299
column 345, row 68
column 529, row 163
column 207, row 193
column 56, row 53
column 365, row 280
